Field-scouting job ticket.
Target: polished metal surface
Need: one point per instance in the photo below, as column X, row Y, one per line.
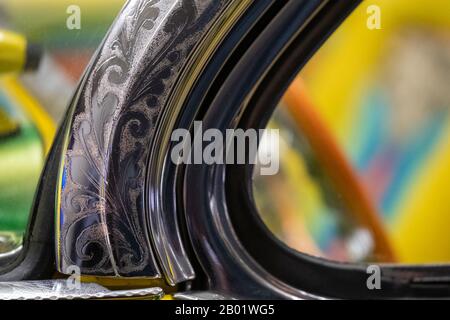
column 200, row 295
column 161, row 176
column 106, row 225
column 62, row 290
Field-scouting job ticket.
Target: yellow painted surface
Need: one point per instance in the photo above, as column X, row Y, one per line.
column 421, row 230
column 12, row 51
column 352, row 51
column 32, row 108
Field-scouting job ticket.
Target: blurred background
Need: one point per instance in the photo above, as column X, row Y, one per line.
column 365, row 150
column 32, row 103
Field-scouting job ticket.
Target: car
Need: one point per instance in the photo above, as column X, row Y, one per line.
column 120, row 206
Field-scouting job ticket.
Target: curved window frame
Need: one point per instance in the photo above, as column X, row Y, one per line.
column 315, row 275
column 227, row 234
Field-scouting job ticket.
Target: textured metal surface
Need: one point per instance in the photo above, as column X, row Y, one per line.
column 103, row 223
column 200, row 295
column 60, row 290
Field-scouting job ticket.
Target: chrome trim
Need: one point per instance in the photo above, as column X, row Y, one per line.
column 164, row 209
column 61, row 290
column 201, row 295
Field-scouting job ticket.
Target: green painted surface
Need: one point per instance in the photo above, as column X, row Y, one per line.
column 21, row 161
column 45, row 21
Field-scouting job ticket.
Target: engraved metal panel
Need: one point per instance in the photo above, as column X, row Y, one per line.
column 102, row 221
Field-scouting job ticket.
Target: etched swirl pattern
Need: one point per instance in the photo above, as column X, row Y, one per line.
column 103, row 227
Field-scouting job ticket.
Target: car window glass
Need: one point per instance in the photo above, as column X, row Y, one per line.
column 364, row 141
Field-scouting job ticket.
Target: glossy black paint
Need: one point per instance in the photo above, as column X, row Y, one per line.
column 226, row 230
column 209, row 225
